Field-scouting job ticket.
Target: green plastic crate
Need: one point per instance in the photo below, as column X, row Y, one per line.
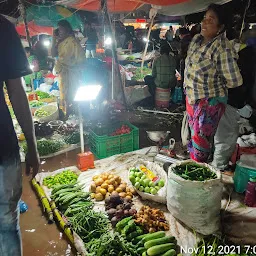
column 102, row 145
column 242, row 176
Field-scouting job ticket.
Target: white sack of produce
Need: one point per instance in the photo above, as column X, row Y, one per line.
column 160, row 191
column 195, row 203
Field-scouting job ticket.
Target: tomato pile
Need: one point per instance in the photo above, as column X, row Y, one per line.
column 123, row 130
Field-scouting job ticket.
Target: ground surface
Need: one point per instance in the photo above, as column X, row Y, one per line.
column 43, row 239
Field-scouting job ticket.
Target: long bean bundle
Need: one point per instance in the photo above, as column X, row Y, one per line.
column 89, row 224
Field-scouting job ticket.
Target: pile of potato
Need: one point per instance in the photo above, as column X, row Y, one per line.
column 105, row 184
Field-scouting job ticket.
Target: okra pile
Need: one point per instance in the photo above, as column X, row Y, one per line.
column 194, row 172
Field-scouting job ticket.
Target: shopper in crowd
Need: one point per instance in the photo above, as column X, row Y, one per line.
column 228, row 130
column 211, row 69
column 91, row 40
column 169, row 34
column 70, row 56
column 13, row 67
column 163, row 71
column 196, row 29
column 34, row 66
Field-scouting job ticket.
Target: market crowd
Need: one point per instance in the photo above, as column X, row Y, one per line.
column 215, row 67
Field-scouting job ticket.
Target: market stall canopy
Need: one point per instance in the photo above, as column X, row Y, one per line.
column 119, row 5
column 34, row 29
column 188, row 7
column 49, row 16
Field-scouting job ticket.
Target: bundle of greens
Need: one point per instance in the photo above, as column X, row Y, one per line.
column 43, row 95
column 35, row 104
column 65, row 177
column 139, row 75
column 112, row 245
column 46, row 147
column 194, row 172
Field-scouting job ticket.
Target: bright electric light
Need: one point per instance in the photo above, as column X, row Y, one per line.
column 47, row 43
column 87, row 92
column 108, row 41
column 32, row 67
column 145, row 39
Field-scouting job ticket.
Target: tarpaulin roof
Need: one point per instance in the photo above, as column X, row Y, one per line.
column 118, row 5
column 34, row 29
column 49, row 16
column 189, row 7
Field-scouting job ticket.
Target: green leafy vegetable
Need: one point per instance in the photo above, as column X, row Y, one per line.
column 43, row 95
column 138, row 75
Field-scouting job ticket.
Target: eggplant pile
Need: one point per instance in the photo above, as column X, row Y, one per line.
column 43, row 129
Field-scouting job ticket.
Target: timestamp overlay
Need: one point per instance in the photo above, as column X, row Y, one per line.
column 219, row 250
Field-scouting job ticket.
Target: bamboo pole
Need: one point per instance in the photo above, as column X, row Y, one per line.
column 44, row 200
column 62, row 223
column 24, row 16
column 146, row 46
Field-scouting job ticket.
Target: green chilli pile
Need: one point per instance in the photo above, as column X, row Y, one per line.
column 194, row 172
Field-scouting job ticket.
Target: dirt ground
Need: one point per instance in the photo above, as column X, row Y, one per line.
column 43, row 239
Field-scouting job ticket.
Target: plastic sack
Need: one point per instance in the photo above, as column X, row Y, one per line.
column 185, row 134
column 160, row 197
column 195, row 203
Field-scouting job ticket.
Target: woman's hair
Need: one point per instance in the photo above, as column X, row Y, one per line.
column 108, row 53
column 66, row 25
column 220, row 13
column 165, row 49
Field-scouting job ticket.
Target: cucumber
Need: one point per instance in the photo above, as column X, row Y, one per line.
column 122, row 223
column 144, row 253
column 163, row 240
column 171, row 252
column 153, row 236
column 139, row 238
column 141, row 250
column 160, row 249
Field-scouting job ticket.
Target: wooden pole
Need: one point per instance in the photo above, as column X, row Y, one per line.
column 114, row 54
column 146, row 46
column 23, row 14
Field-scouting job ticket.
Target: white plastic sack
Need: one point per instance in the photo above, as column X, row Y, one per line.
column 195, row 203
column 160, row 197
column 136, row 93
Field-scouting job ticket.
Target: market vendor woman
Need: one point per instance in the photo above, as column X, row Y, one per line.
column 70, row 56
column 211, row 69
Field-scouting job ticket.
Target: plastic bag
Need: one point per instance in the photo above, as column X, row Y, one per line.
column 195, row 203
column 160, row 197
column 185, row 134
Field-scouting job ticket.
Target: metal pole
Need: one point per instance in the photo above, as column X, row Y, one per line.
column 81, row 129
column 114, row 54
column 23, row 14
column 113, row 77
column 146, row 46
